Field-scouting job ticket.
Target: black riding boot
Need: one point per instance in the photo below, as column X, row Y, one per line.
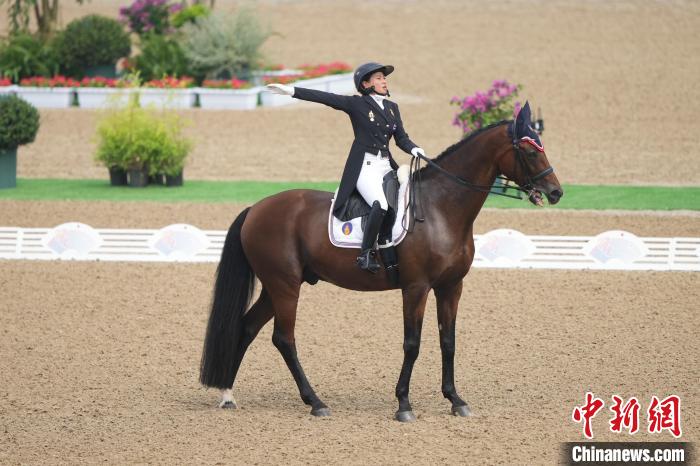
column 366, row 260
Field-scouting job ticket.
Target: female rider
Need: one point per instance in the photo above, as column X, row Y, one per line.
column 374, row 121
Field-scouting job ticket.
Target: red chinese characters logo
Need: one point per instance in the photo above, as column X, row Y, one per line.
column 587, row 412
column 661, row 415
column 626, row 417
column 665, row 415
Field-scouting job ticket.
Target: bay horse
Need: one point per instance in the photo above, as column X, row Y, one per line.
column 283, row 241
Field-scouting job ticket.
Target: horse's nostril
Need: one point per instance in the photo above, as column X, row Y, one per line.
column 555, row 195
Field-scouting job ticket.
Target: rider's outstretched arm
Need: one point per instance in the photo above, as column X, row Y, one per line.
column 338, row 102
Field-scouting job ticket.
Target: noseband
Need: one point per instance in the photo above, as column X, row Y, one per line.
column 530, row 180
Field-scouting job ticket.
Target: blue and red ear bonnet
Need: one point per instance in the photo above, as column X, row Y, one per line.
column 523, row 130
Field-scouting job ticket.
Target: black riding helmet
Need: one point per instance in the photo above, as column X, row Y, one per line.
column 365, row 71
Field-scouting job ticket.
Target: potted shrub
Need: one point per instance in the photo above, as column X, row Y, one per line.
column 99, row 92
column 91, row 46
column 231, row 94
column 160, row 56
column 168, row 92
column 174, row 152
column 56, row 92
column 141, row 142
column 222, row 47
column 19, row 123
column 168, row 148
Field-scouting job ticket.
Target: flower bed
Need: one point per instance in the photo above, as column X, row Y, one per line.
column 332, row 77
column 56, row 92
column 168, row 92
column 99, row 92
column 6, row 86
column 233, row 94
column 317, row 71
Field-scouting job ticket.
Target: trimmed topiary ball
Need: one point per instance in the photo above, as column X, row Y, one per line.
column 19, row 122
column 91, row 41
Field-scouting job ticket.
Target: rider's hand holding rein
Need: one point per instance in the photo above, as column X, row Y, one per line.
column 281, row 89
column 417, row 150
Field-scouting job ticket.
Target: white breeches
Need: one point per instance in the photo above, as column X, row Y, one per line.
column 369, row 183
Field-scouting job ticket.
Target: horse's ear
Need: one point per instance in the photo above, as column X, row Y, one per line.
column 524, row 116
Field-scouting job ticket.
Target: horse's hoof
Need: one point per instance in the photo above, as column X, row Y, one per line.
column 405, row 416
column 228, row 404
column 321, row 412
column 461, row 411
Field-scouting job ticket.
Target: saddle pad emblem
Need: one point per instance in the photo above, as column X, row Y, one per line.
column 347, row 228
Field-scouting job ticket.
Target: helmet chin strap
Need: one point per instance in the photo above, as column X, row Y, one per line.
column 371, row 89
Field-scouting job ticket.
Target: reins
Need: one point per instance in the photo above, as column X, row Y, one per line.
column 415, row 170
column 468, row 184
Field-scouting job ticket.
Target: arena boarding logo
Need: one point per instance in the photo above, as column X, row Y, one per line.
column 72, row 240
column 347, row 228
column 660, row 415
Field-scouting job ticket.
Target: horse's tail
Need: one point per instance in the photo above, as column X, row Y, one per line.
column 235, row 283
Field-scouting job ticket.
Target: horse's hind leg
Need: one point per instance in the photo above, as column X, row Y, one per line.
column 447, row 303
column 257, row 316
column 285, row 301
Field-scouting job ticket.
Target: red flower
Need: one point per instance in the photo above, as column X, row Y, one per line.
column 169, row 82
column 316, row 71
column 286, row 79
column 226, row 84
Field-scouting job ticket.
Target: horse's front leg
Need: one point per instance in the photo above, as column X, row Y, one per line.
column 447, row 303
column 414, row 299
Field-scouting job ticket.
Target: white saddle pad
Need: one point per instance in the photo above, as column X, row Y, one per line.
column 349, row 234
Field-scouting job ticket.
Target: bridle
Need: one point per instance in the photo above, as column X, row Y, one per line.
column 527, row 187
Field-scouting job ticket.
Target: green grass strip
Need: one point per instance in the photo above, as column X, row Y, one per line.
column 576, row 196
column 616, row 198
column 192, row 191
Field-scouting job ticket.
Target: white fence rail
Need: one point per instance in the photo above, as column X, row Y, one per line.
column 612, row 250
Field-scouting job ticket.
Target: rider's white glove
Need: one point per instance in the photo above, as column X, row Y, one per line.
column 417, row 150
column 281, row 89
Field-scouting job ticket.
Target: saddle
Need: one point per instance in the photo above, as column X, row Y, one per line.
column 356, row 206
column 346, row 231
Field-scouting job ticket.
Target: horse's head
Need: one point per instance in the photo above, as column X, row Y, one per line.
column 527, row 163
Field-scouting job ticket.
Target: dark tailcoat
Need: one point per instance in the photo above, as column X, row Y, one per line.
column 373, row 128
